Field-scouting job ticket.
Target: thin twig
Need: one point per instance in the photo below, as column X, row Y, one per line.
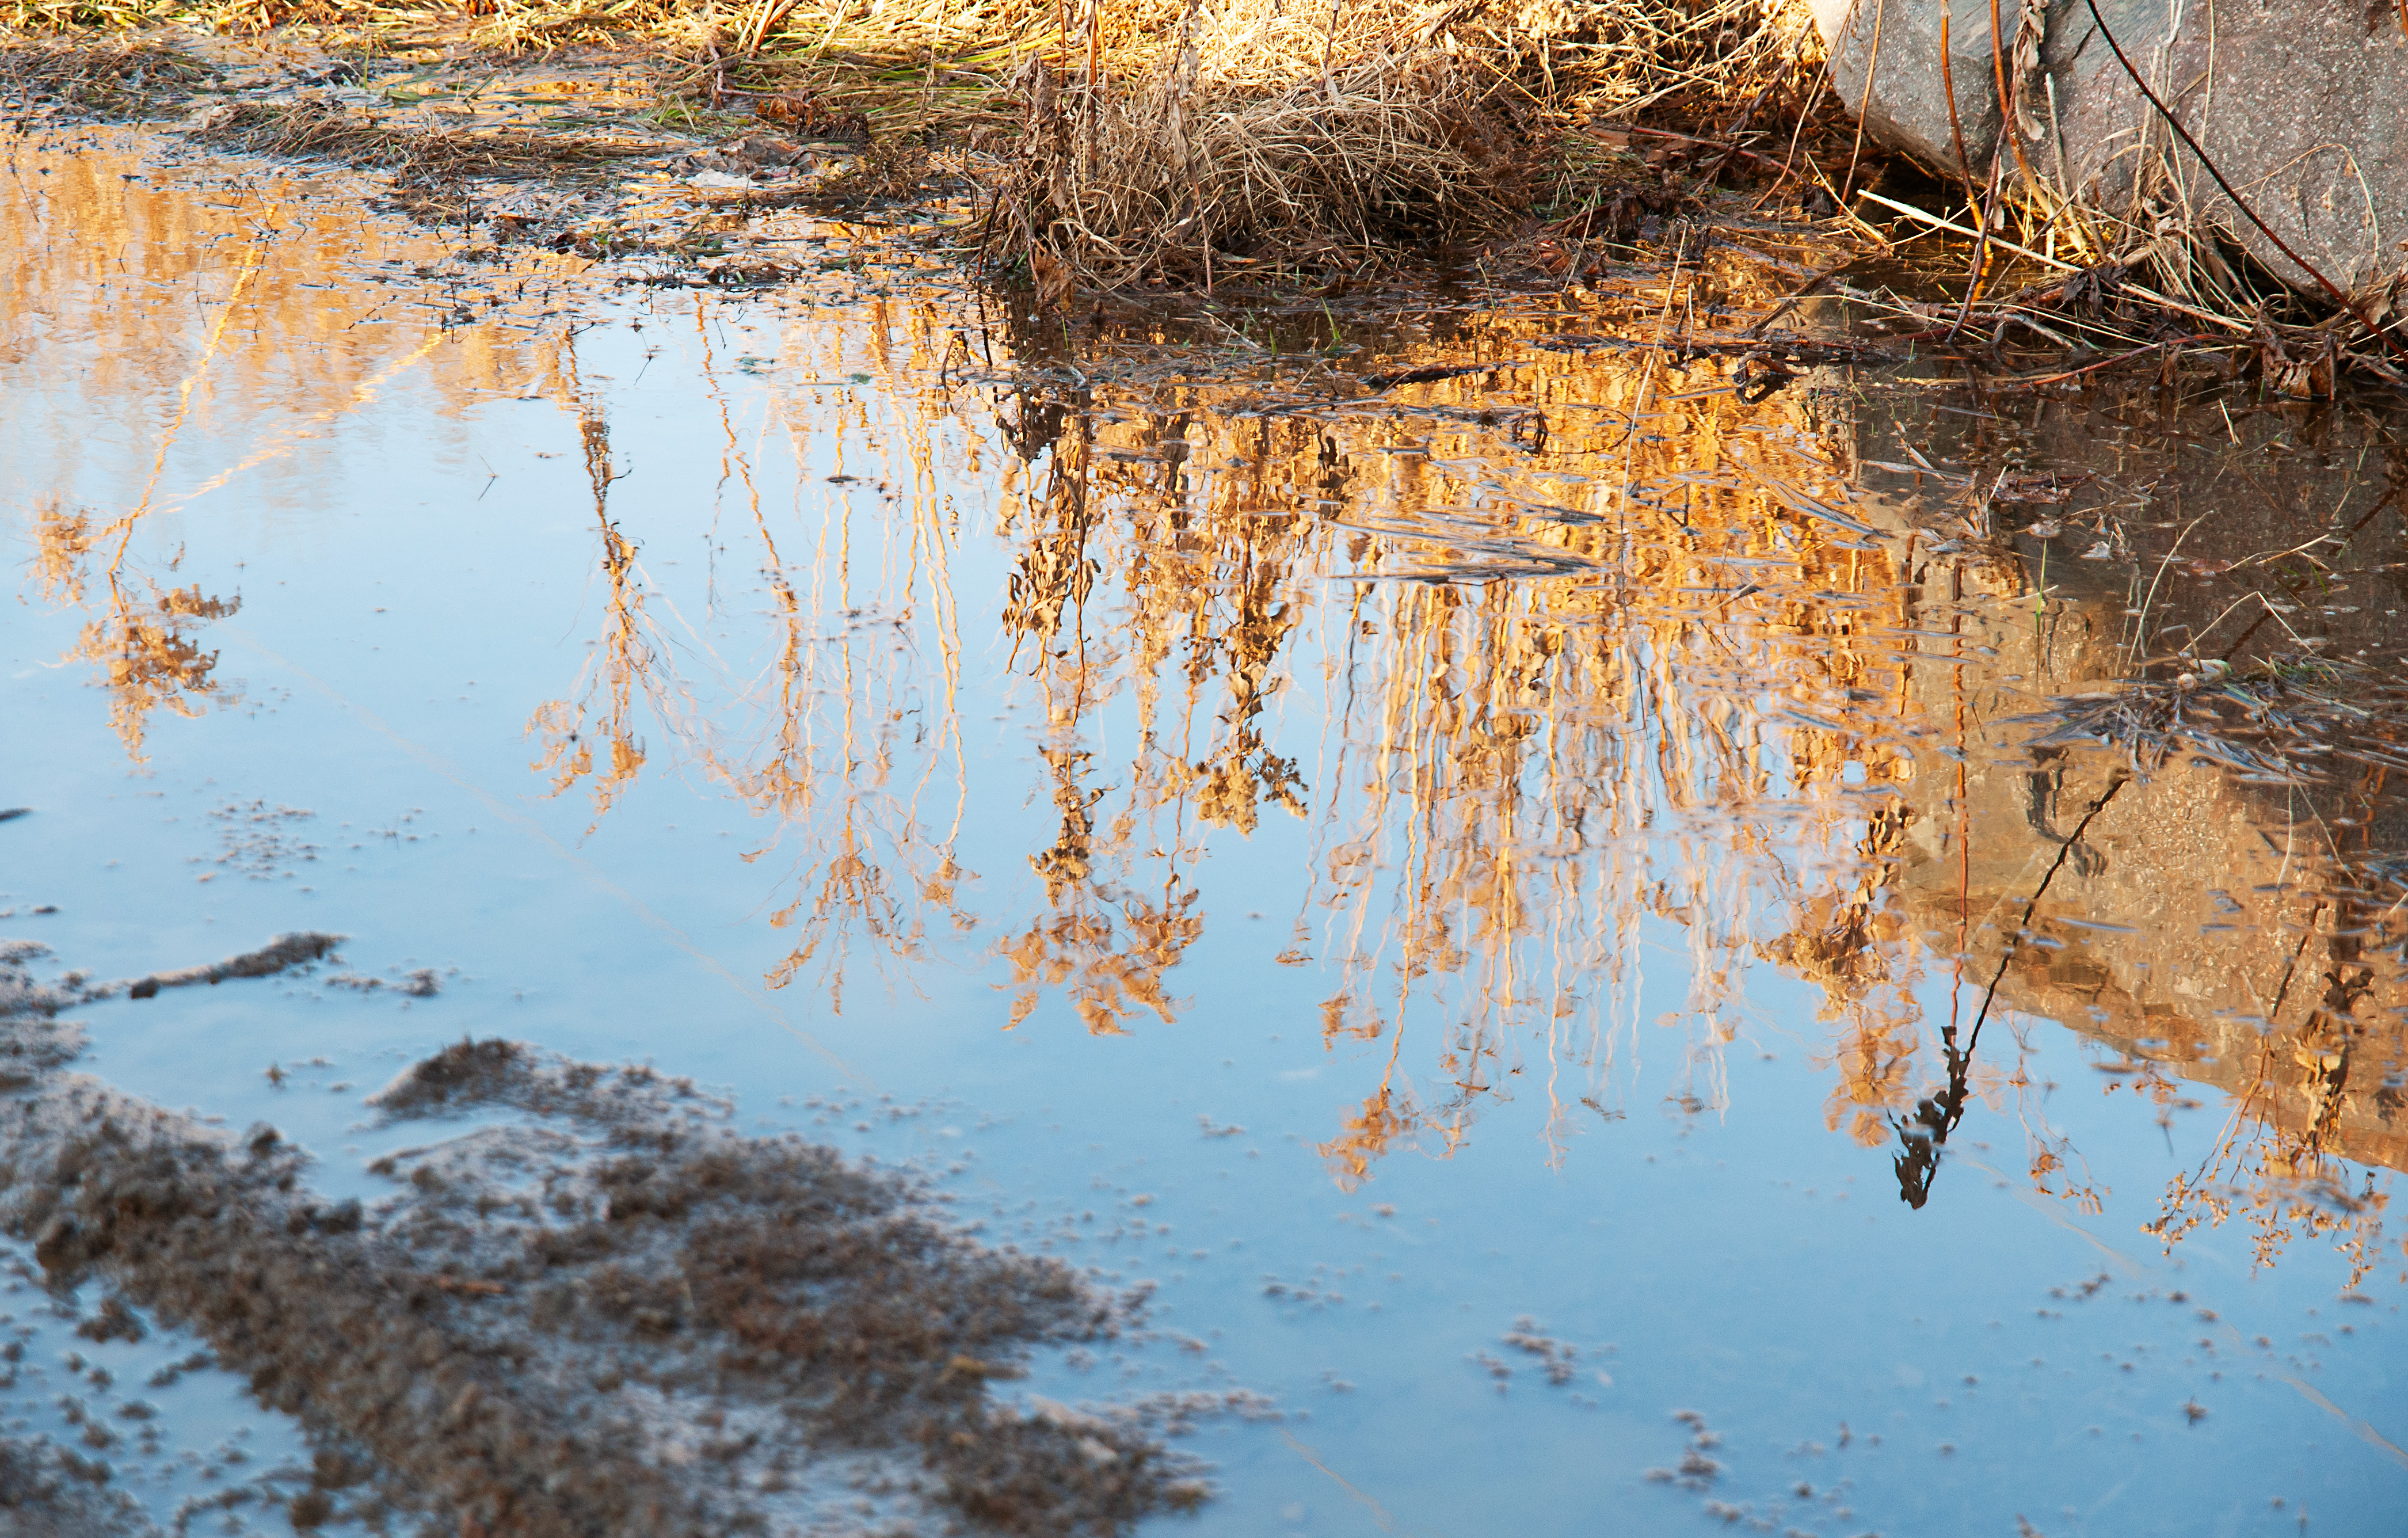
column 2006, row 97
column 1948, row 84
column 1981, row 249
column 2015, row 941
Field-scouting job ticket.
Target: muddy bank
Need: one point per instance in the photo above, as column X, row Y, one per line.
column 576, row 152
column 610, row 1314
column 1232, row 142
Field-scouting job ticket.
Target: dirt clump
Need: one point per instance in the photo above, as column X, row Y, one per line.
column 282, row 954
column 22, row 998
column 613, row 1316
column 49, row 1491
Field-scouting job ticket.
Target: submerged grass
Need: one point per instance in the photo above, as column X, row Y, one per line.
column 325, row 130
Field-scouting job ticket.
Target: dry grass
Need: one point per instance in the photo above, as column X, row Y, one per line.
column 2164, row 250
column 1130, row 139
column 324, row 131
column 1244, row 130
column 119, row 77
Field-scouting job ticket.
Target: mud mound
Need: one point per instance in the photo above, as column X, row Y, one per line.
column 323, row 130
column 613, row 1318
column 21, row 996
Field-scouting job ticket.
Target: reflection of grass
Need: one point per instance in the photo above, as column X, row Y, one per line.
column 1510, row 750
column 1515, row 770
column 2282, row 1174
column 62, row 539
column 624, row 661
column 1518, row 777
column 143, row 643
column 149, row 659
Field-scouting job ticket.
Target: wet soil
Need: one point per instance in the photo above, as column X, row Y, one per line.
column 616, row 1318
column 574, row 151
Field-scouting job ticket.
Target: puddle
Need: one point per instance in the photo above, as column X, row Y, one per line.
column 1500, row 871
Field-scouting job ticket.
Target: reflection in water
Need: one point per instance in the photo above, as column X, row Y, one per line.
column 1937, row 1116
column 1702, row 692
column 1536, row 666
column 147, row 657
column 294, row 333
column 141, row 643
column 624, row 660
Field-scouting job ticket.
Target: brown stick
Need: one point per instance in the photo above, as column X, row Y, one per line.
column 1980, row 248
column 1965, row 167
column 1095, row 79
column 1948, row 84
column 2006, row 101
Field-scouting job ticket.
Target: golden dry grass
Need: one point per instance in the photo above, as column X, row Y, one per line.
column 1246, row 129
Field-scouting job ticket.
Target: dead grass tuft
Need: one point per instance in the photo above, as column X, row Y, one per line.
column 123, row 76
column 1247, row 130
column 530, row 26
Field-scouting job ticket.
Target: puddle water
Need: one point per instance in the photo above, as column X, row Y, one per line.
column 1520, row 901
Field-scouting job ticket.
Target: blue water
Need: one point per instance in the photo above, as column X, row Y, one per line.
column 419, row 574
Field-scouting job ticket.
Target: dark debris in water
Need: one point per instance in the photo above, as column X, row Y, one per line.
column 282, row 954
column 2294, row 720
column 21, row 996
